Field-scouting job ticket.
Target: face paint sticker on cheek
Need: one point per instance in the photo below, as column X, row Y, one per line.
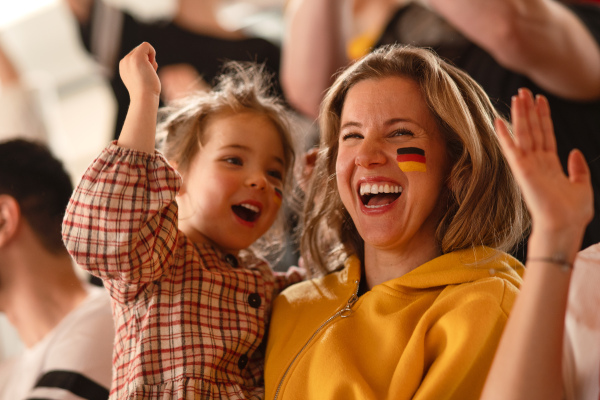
column 278, row 196
column 411, row 159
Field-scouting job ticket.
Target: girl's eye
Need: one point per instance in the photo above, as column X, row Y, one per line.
column 276, row 174
column 233, row 160
column 402, row 132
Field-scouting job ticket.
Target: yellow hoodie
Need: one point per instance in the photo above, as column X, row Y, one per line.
column 429, row 334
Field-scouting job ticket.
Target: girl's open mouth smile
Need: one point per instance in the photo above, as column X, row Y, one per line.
column 246, row 212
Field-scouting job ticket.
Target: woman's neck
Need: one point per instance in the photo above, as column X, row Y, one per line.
column 382, row 265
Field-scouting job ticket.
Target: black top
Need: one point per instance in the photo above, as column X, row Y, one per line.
column 175, row 45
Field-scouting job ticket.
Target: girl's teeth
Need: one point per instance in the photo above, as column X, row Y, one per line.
column 250, row 207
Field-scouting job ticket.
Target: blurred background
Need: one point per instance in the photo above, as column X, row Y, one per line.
column 69, row 100
column 59, row 79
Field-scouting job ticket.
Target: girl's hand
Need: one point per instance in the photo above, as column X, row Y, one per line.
column 138, row 72
column 561, row 206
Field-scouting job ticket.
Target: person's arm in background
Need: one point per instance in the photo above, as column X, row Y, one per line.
column 20, row 112
column 313, row 50
column 541, row 39
column 8, row 73
column 528, row 361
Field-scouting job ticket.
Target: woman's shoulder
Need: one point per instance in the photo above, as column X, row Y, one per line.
column 475, row 275
column 464, row 267
column 317, row 288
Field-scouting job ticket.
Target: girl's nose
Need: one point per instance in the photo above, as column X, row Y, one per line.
column 370, row 154
column 257, row 180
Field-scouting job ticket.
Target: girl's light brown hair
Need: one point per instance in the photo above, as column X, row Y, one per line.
column 242, row 87
column 484, row 204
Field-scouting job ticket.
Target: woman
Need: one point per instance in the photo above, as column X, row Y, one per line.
column 412, row 187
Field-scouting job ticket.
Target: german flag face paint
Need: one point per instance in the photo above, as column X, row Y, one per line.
column 278, row 196
column 411, row 159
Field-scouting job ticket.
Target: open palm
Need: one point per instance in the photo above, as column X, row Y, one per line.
column 558, row 203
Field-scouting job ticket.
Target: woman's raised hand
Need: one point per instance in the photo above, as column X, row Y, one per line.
column 561, row 206
column 138, row 72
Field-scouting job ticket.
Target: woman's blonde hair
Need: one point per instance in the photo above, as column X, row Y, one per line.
column 242, row 87
column 484, row 204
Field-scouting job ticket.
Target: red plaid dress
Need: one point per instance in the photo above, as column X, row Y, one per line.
column 190, row 319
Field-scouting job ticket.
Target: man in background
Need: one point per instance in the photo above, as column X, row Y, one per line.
column 65, row 324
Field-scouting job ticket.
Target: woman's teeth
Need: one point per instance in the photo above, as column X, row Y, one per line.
column 374, row 188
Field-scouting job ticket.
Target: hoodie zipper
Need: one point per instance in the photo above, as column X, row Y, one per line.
column 342, row 313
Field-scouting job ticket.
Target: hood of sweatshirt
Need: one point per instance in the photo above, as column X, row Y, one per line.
column 454, row 268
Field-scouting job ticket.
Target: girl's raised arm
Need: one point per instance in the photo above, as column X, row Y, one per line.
column 528, row 361
column 138, row 72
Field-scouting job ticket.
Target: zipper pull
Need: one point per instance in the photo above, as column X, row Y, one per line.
column 347, row 311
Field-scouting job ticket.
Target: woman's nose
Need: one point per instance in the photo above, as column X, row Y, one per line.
column 370, row 154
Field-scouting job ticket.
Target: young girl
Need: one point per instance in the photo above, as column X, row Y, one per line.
column 191, row 305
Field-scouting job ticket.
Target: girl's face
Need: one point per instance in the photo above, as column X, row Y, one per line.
column 392, row 164
column 231, row 192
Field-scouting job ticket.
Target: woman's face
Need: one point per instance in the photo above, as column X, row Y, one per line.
column 392, row 164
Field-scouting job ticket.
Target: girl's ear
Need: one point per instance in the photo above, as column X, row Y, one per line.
column 10, row 215
column 182, row 188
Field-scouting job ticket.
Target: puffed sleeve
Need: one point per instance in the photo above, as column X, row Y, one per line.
column 121, row 221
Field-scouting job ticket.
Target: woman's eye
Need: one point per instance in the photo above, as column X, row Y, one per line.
column 233, row 160
column 351, row 136
column 402, row 132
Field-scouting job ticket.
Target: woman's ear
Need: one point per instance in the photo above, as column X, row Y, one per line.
column 10, row 215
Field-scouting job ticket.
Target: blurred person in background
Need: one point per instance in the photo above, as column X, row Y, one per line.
column 65, row 324
column 110, row 33
column 20, row 115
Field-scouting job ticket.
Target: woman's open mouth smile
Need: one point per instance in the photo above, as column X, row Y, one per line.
column 378, row 195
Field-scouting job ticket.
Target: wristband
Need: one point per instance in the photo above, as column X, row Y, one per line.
column 556, row 260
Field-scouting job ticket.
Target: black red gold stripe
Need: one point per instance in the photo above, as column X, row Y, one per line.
column 411, row 159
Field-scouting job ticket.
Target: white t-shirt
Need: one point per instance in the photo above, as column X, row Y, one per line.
column 21, row 115
column 73, row 361
column 581, row 356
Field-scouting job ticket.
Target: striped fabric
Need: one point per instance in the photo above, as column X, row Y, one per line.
column 73, row 382
column 190, row 319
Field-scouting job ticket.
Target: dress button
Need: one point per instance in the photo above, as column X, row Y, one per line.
column 243, row 361
column 254, row 300
column 231, row 260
